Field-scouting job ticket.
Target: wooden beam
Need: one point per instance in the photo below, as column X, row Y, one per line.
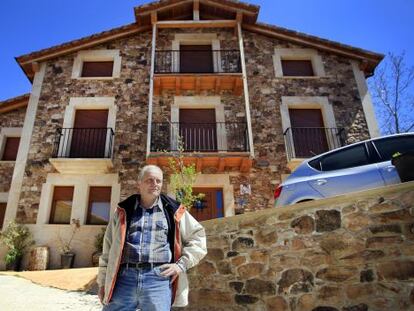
column 157, row 88
column 228, row 8
column 245, row 166
column 154, row 18
column 178, row 86
column 197, row 24
column 218, row 84
column 199, row 164
column 222, row 165
column 197, row 84
column 238, row 87
column 239, row 19
column 196, row 10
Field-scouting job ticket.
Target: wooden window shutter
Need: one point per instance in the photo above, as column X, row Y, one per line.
column 97, row 69
column 10, row 149
column 301, row 68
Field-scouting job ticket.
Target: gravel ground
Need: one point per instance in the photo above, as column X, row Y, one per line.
column 18, row 294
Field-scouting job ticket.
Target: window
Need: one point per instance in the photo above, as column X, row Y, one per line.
column 346, row 158
column 97, row 64
column 298, row 63
column 10, row 149
column 97, row 69
column 2, row 213
column 61, row 205
column 99, row 205
column 388, row 146
column 301, row 68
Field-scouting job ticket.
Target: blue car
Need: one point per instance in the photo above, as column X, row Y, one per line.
column 356, row 167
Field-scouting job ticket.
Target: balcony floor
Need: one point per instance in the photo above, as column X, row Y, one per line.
column 220, row 161
column 199, row 82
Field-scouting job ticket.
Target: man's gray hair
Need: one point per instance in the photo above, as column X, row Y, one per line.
column 149, row 168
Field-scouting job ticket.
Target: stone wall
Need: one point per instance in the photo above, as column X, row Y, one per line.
column 13, row 118
column 352, row 252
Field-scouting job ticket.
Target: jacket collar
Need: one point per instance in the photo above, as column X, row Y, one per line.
column 169, row 203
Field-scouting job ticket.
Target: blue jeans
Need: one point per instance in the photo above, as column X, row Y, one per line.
column 142, row 289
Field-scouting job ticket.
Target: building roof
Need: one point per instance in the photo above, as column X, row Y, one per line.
column 14, row 103
column 209, row 9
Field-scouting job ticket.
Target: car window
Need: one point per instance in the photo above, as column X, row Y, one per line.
column 316, row 164
column 388, row 146
column 345, row 158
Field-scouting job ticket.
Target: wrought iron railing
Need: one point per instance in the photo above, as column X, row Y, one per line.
column 83, row 143
column 222, row 61
column 306, row 142
column 202, row 137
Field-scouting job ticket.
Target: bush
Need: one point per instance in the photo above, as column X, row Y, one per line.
column 16, row 237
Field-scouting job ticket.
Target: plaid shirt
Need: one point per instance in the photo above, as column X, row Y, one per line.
column 146, row 239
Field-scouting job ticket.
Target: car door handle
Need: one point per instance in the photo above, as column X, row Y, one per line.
column 390, row 168
column 321, row 182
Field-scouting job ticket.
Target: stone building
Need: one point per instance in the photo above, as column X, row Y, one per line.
column 249, row 100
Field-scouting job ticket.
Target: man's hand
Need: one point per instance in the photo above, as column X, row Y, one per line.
column 170, row 269
column 101, row 293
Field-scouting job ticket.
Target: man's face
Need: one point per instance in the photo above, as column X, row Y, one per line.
column 150, row 186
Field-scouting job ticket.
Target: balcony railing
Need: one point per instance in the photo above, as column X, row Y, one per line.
column 83, row 143
column 200, row 137
column 197, row 61
column 306, row 142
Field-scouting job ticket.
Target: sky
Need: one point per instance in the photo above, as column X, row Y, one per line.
column 25, row 26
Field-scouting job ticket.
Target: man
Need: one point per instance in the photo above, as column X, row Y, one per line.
column 150, row 242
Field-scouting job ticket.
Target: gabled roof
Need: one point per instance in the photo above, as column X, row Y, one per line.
column 209, row 9
column 14, row 103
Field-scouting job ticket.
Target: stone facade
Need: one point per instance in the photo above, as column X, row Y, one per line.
column 352, row 252
column 131, row 90
column 14, row 118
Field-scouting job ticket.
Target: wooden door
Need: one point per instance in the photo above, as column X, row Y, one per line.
column 309, row 137
column 89, row 134
column 211, row 205
column 198, row 129
column 196, row 59
column 2, row 213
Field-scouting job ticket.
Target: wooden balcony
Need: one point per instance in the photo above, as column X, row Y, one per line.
column 219, row 146
column 198, row 70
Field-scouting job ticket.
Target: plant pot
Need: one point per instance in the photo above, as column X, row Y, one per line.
column 405, row 166
column 67, row 260
column 95, row 258
column 15, row 265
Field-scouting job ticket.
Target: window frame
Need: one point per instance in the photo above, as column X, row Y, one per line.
column 96, row 56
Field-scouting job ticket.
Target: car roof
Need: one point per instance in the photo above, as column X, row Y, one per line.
column 356, row 143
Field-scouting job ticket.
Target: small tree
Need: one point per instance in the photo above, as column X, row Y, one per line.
column 183, row 177
column 16, row 237
column 393, row 94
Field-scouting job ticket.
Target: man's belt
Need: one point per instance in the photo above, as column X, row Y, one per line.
column 141, row 265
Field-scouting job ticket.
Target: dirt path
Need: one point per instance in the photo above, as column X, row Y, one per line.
column 18, row 294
